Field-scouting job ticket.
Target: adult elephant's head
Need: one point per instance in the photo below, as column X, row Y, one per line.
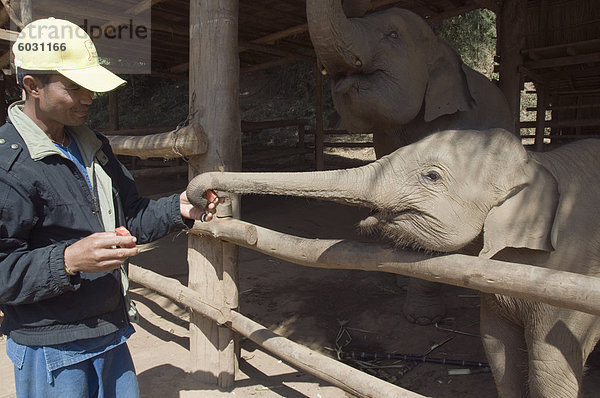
column 435, row 194
column 385, row 67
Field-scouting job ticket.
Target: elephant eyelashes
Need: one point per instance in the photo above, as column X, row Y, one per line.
column 432, row 176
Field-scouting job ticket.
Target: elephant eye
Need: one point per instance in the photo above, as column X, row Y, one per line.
column 393, row 34
column 432, row 176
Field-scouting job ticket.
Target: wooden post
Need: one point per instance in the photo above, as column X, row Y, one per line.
column 319, row 156
column 540, row 117
column 214, row 96
column 113, row 110
column 26, row 12
column 301, row 142
column 509, row 25
column 3, row 109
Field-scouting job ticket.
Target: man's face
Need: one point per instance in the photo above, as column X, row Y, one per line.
column 63, row 101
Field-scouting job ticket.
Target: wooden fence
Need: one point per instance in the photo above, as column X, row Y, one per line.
column 563, row 289
column 559, row 288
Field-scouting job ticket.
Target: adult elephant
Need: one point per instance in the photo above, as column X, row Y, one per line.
column 392, row 76
column 483, row 194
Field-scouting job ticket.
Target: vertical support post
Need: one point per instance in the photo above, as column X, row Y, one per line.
column 540, row 117
column 113, row 110
column 3, row 110
column 214, row 104
column 26, row 17
column 301, row 142
column 319, row 148
column 26, row 12
column 509, row 25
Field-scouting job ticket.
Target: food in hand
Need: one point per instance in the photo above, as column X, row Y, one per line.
column 122, row 231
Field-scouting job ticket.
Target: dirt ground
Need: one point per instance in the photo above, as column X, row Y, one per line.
column 322, row 309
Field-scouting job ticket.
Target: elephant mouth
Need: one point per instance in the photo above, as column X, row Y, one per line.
column 355, row 82
column 408, row 228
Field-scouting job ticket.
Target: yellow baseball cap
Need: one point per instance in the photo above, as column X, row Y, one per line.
column 58, row 45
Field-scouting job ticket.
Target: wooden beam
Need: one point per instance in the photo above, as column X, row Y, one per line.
column 584, row 43
column 563, row 61
column 8, row 35
column 214, row 104
column 273, row 50
column 509, row 25
column 560, row 288
column 540, row 117
column 26, row 12
column 354, row 381
column 492, row 5
column 563, row 123
column 11, row 14
column 186, row 142
column 270, row 124
column 319, row 155
column 273, row 37
column 566, row 107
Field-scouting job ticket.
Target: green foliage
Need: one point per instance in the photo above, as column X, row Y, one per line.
column 144, row 101
column 285, row 92
column 473, row 36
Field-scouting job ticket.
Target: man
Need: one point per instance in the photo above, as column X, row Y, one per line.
column 62, row 193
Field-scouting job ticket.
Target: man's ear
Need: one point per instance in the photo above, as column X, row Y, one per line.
column 32, row 86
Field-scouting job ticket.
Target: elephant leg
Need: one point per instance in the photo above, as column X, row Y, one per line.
column 558, row 351
column 554, row 372
column 505, row 348
column 424, row 304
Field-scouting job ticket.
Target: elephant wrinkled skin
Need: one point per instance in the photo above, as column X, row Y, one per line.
column 479, row 193
column 390, row 75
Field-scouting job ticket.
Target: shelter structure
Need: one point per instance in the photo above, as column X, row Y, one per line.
column 552, row 43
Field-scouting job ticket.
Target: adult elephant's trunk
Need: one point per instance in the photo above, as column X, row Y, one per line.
column 338, row 41
column 353, row 186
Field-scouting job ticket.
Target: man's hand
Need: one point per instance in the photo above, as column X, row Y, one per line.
column 100, row 252
column 189, row 211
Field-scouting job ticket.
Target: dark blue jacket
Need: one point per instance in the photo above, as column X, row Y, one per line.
column 46, row 205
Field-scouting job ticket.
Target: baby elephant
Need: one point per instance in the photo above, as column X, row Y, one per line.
column 480, row 192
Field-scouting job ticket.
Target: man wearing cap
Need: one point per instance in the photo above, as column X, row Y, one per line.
column 63, row 287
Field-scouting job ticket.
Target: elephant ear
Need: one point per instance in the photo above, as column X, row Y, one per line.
column 447, row 88
column 524, row 219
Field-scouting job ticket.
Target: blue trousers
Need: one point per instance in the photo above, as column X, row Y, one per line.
column 109, row 374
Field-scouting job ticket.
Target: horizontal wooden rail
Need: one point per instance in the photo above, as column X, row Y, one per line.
column 563, row 123
column 159, row 171
column 337, row 132
column 565, row 136
column 185, row 142
column 248, row 127
column 147, row 130
column 559, row 288
column 339, row 374
column 367, row 144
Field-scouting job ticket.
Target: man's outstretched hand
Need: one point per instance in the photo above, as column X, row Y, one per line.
column 189, row 211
